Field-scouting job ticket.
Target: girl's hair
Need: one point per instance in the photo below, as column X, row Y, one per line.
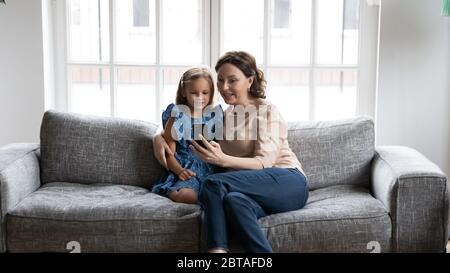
column 247, row 64
column 191, row 75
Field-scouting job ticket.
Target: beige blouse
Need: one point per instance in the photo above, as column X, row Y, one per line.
column 261, row 133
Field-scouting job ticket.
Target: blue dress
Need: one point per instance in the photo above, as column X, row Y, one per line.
column 184, row 127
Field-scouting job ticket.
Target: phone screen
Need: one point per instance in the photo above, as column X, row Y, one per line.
column 199, row 142
column 199, row 129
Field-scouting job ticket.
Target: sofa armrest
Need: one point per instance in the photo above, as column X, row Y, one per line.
column 19, row 176
column 415, row 192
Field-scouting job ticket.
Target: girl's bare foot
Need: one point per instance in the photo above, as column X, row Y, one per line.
column 184, row 195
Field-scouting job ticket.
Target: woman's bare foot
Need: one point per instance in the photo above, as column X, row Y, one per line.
column 217, row 250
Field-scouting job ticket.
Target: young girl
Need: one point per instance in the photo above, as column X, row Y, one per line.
column 182, row 183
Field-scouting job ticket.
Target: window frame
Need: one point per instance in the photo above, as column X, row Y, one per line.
column 366, row 66
column 212, row 48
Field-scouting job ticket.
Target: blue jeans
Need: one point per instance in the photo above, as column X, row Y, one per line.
column 238, row 199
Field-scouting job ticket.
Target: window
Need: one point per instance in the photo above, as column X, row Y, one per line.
column 141, row 13
column 282, row 14
column 308, row 49
column 124, row 57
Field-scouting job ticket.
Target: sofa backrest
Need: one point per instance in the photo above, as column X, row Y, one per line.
column 88, row 149
column 334, row 152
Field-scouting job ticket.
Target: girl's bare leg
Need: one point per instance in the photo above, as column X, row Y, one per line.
column 184, row 195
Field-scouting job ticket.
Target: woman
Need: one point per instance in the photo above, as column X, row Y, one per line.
column 264, row 176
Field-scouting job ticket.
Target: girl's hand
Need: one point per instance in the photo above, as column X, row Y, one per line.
column 185, row 174
column 213, row 154
column 160, row 149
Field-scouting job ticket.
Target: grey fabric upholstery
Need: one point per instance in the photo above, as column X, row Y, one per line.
column 102, row 218
column 19, row 176
column 415, row 192
column 344, row 218
column 334, row 152
column 97, row 173
column 88, row 149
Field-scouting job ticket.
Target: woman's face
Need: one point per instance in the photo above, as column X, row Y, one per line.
column 233, row 85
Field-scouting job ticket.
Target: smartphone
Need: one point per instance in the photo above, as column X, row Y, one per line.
column 199, row 142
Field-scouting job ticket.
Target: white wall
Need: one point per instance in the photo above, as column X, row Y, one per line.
column 413, row 87
column 21, row 71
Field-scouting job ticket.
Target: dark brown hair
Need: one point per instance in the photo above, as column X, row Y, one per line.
column 247, row 64
column 190, row 75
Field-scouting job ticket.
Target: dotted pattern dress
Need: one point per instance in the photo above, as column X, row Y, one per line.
column 184, row 127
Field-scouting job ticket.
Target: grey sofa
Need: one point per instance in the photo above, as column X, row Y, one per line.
column 87, row 183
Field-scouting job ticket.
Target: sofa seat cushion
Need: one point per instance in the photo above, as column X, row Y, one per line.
column 102, row 218
column 341, row 218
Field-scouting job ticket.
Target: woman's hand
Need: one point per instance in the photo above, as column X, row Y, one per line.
column 160, row 148
column 213, row 154
column 185, row 174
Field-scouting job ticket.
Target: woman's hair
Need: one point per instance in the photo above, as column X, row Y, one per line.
column 191, row 75
column 247, row 64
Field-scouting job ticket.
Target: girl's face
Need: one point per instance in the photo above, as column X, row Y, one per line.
column 197, row 93
column 233, row 85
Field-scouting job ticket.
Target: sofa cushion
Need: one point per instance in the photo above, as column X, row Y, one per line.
column 343, row 218
column 334, row 152
column 88, row 149
column 102, row 218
